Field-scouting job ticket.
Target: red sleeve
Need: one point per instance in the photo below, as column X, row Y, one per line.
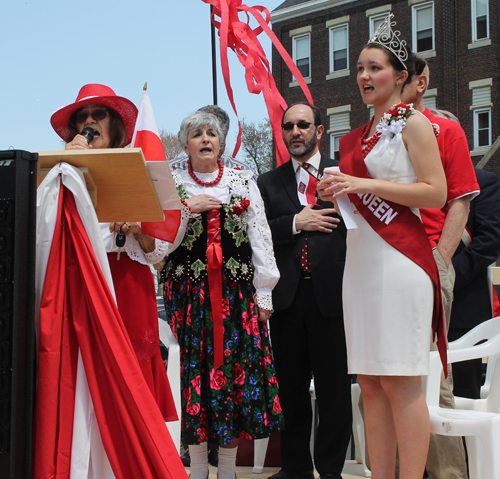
column 457, row 163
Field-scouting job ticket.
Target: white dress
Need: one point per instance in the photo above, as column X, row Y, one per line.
column 388, row 299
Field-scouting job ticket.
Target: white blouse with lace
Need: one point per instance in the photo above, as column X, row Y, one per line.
column 235, row 182
column 133, row 249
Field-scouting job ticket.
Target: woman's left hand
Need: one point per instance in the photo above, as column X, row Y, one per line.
column 339, row 184
column 126, row 228
column 264, row 314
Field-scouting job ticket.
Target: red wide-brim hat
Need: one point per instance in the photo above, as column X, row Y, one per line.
column 94, row 93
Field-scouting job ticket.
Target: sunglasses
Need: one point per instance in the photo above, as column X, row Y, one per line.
column 97, row 115
column 301, row 125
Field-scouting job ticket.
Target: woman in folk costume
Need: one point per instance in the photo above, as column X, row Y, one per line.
column 112, row 119
column 390, row 168
column 222, row 252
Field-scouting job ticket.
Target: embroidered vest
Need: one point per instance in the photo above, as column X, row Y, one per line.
column 189, row 260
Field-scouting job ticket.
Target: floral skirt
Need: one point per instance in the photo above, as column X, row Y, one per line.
column 239, row 399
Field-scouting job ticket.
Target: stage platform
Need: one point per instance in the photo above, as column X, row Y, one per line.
column 352, row 470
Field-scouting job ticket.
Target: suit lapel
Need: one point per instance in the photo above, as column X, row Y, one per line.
column 324, row 163
column 289, row 182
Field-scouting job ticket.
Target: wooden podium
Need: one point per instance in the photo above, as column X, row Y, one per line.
column 117, row 179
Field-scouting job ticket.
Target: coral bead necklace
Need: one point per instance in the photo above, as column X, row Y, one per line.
column 371, row 142
column 206, row 183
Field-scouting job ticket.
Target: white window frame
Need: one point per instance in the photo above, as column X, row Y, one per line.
column 294, row 52
column 373, row 19
column 332, row 51
column 474, row 21
column 333, row 135
column 415, row 9
column 476, row 127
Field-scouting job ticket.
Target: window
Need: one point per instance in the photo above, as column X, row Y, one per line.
column 423, row 27
column 481, row 107
column 482, row 128
column 339, row 48
column 376, row 21
column 340, row 124
column 479, row 20
column 302, row 54
column 334, row 144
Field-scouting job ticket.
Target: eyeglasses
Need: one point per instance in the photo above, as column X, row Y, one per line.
column 97, row 115
column 301, row 125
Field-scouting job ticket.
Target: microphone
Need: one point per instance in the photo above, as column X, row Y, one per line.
column 88, row 133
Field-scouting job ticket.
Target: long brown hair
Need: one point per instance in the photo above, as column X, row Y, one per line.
column 117, row 131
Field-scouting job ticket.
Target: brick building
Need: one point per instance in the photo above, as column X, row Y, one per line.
column 459, row 38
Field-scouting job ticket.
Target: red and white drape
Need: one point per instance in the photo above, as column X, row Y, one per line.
column 95, row 416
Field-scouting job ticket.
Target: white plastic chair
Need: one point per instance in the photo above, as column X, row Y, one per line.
column 460, row 422
column 490, row 392
column 490, row 368
column 174, row 377
column 358, row 429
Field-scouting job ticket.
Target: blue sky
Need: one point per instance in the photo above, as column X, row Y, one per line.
column 51, row 48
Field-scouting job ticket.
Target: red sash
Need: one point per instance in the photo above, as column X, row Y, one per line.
column 398, row 226
column 214, row 271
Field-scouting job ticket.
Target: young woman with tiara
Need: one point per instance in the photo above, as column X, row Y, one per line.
column 390, row 168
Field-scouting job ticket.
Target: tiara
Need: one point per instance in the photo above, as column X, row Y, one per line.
column 389, row 39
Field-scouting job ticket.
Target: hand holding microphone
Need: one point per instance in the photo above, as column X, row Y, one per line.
column 88, row 134
column 79, row 143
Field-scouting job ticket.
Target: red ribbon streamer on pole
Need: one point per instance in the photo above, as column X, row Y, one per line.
column 242, row 39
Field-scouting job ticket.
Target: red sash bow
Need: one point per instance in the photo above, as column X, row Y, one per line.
column 398, row 226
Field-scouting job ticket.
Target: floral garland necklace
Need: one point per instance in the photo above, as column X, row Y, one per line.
column 206, row 183
column 390, row 125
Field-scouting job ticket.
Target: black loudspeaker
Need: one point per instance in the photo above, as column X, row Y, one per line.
column 18, row 172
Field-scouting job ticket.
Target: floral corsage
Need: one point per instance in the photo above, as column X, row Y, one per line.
column 239, row 201
column 392, row 124
column 436, row 129
column 237, row 213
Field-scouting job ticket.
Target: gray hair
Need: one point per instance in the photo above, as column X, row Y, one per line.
column 444, row 114
column 196, row 120
column 221, row 115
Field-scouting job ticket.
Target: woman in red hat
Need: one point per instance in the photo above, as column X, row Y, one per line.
column 113, row 119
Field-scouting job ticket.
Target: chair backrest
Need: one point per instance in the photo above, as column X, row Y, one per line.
column 490, row 347
column 481, row 332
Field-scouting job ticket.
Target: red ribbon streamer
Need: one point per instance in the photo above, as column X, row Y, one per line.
column 242, row 39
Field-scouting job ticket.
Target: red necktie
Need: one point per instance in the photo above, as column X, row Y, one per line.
column 305, row 263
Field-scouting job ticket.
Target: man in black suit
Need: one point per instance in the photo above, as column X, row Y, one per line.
column 479, row 248
column 307, row 329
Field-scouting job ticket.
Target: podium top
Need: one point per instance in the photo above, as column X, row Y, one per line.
column 124, row 189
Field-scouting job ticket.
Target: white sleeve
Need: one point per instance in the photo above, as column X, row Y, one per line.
column 266, row 272
column 186, row 215
column 160, row 251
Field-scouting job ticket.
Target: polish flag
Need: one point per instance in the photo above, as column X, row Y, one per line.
column 306, row 188
column 147, row 137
